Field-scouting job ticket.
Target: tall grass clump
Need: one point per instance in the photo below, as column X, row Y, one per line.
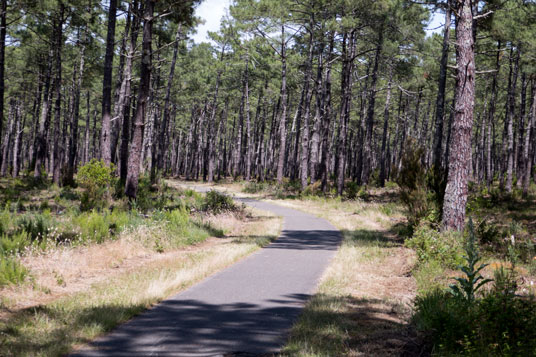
column 11, row 271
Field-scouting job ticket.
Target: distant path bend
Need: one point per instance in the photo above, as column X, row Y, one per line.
column 246, row 309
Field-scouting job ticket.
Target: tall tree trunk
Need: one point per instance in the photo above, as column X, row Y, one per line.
column 87, row 130
column 133, row 171
column 440, row 100
column 73, row 141
column 459, row 159
column 518, row 157
column 106, row 154
column 7, row 138
column 124, row 94
column 282, row 122
column 367, row 162
column 249, row 148
column 346, row 85
column 44, row 122
column 58, row 137
column 385, row 130
column 307, row 104
column 326, row 118
column 21, row 119
column 529, row 137
column 163, row 139
column 3, row 28
column 510, row 127
column 491, row 118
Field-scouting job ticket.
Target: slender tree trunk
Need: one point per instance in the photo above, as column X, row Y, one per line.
column 460, row 155
column 518, row 157
column 73, row 141
column 58, row 147
column 8, row 138
column 87, row 130
column 3, row 29
column 124, row 96
column 529, row 137
column 440, row 100
column 106, row 154
column 249, row 148
column 326, row 118
column 489, row 172
column 367, row 162
column 307, row 104
column 282, row 122
column 510, row 127
column 163, row 140
column 385, row 131
column 134, row 158
column 17, row 143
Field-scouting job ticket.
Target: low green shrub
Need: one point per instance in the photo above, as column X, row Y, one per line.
column 181, row 229
column 96, row 178
column 351, row 190
column 11, row 271
column 14, row 244
column 217, row 202
column 430, row 244
column 37, row 225
column 98, row 226
column 254, row 187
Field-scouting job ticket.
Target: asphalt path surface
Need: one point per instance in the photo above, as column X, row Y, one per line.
column 244, row 310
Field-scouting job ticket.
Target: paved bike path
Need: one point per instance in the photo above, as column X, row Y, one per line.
column 246, row 309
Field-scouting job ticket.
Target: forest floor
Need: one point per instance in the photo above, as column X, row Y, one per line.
column 363, row 303
column 76, row 293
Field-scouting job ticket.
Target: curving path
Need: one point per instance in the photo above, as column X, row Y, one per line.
column 246, row 309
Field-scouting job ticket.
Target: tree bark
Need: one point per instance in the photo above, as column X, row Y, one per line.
column 3, row 30
column 440, row 99
column 459, row 159
column 529, row 137
column 385, row 131
column 510, row 127
column 57, row 144
column 106, row 153
column 282, row 122
column 133, row 171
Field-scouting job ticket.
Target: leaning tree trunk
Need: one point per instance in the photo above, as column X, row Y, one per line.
column 459, row 159
column 133, row 170
column 106, row 154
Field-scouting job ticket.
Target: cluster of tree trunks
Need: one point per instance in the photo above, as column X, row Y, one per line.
column 342, row 114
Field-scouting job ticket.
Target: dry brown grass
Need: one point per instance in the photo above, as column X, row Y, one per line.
column 84, row 291
column 363, row 302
